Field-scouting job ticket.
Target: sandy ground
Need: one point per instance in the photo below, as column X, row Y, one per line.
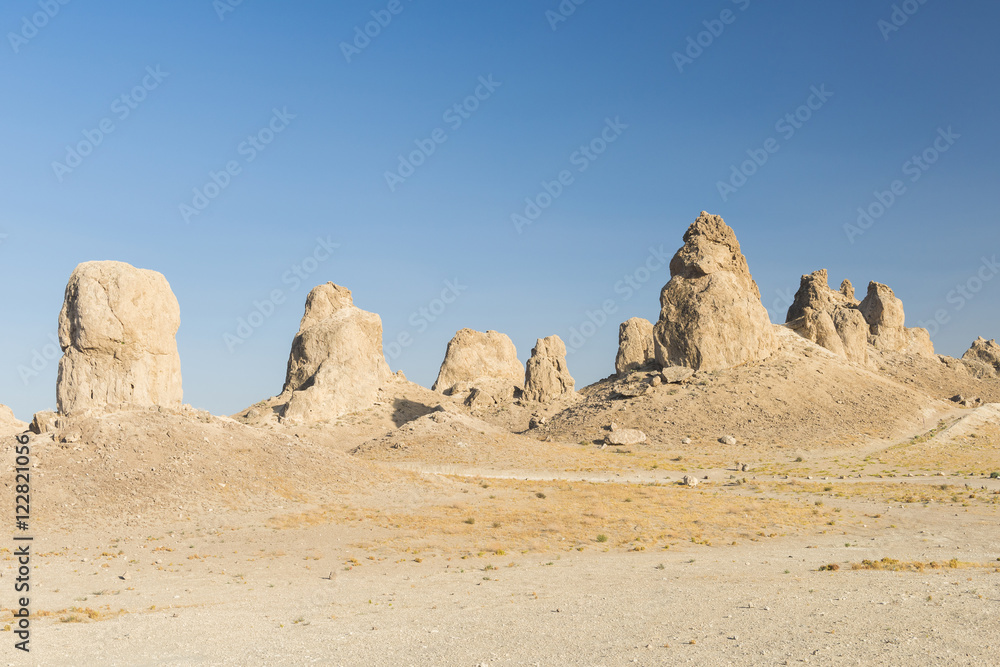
column 224, row 594
column 423, row 532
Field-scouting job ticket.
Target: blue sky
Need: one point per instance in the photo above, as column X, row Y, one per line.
column 207, row 88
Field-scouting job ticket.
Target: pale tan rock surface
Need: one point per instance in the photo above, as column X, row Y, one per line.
column 635, row 345
column 985, row 352
column 546, row 376
column 829, row 318
column 711, row 316
column 117, row 329
column 478, row 359
column 624, row 436
column 883, row 311
column 336, row 365
column 9, row 424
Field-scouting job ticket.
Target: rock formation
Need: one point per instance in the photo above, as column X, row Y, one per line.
column 828, row 318
column 117, row 330
column 711, row 316
column 546, row 376
column 883, row 312
column 983, row 358
column 336, row 365
column 635, row 345
column 485, row 361
column 9, row 424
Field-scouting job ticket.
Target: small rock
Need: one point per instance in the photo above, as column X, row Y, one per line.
column 126, row 576
column 690, row 480
column 727, row 440
column 686, row 441
column 656, row 381
column 745, row 467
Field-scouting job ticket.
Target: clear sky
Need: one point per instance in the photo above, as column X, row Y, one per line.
column 230, row 144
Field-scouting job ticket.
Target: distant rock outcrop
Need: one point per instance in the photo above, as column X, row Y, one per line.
column 9, row 424
column 883, row 312
column 711, row 316
column 117, row 330
column 828, row 318
column 635, row 345
column 546, row 376
column 336, row 365
column 482, row 366
column 983, row 357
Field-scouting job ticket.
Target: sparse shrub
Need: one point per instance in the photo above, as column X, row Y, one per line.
column 994, row 475
column 798, row 459
column 832, row 567
column 471, row 520
column 540, row 495
column 602, row 538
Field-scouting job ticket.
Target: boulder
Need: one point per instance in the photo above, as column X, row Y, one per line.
column 829, row 318
column 624, row 436
column 711, row 316
column 546, row 376
column 45, row 422
column 690, row 480
column 727, row 440
column 9, row 424
column 117, row 330
column 883, row 312
column 336, row 365
column 476, row 359
column 635, row 345
column 675, row 374
column 986, row 353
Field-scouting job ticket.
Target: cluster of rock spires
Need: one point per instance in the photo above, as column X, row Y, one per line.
column 484, row 368
column 712, row 318
column 845, row 326
column 118, row 326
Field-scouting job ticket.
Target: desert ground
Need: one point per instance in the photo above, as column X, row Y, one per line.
column 826, row 491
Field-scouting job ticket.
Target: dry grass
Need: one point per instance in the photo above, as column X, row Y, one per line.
column 572, row 515
column 893, row 565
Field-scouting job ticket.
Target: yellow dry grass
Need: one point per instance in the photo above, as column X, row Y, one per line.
column 526, row 516
column 894, row 565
